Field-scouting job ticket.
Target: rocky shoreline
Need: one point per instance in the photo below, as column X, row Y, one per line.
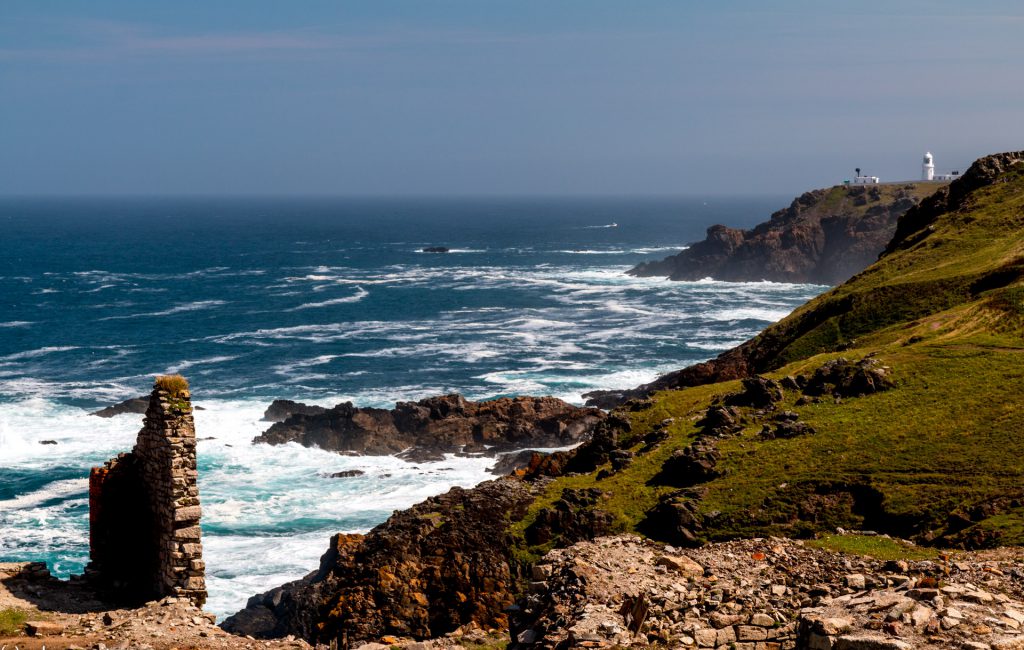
column 430, row 428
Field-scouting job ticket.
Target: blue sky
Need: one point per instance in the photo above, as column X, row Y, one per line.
column 485, row 97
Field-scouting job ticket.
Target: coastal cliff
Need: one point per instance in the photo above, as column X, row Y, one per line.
column 824, row 237
column 888, row 404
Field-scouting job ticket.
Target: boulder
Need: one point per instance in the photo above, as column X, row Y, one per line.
column 844, row 378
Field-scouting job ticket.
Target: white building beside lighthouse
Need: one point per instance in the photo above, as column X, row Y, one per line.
column 928, row 170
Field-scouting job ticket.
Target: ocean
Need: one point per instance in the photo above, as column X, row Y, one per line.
column 324, row 301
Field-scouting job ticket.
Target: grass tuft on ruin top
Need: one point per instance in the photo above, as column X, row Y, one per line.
column 174, row 384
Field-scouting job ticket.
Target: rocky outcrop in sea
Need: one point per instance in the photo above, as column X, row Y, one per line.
column 428, row 429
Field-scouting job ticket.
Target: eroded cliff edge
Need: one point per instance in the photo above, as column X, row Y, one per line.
column 824, row 237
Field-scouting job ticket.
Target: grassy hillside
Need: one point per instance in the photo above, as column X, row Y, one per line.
column 939, row 457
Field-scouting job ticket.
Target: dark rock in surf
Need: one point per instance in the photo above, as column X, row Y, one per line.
column 435, row 249
column 281, row 409
column 348, row 473
column 426, row 430
column 136, row 405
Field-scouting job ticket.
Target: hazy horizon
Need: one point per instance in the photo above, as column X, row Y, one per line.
column 461, row 99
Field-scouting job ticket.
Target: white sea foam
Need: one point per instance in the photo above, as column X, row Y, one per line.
column 657, row 249
column 748, row 313
column 16, row 323
column 55, row 490
column 177, row 309
column 359, row 295
column 185, row 365
column 39, row 352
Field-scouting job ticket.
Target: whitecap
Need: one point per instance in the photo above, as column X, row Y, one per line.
column 49, row 492
column 185, row 365
column 749, row 313
column 32, row 354
column 359, row 295
column 177, row 309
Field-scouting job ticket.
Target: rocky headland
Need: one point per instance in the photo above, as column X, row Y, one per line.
column 824, row 237
column 428, row 429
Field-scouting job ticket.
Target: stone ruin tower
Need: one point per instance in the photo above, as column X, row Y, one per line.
column 144, row 536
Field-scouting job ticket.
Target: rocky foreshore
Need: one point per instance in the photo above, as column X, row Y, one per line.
column 428, row 429
column 38, row 611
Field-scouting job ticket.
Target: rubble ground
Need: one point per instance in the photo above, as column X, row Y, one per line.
column 769, row 594
column 62, row 615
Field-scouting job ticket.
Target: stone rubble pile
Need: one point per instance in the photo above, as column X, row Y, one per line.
column 767, row 594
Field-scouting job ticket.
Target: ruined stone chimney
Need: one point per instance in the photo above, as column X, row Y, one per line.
column 144, row 507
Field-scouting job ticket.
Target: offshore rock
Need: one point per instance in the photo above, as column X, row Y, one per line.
column 425, row 430
column 425, row 572
column 824, row 237
column 137, row 405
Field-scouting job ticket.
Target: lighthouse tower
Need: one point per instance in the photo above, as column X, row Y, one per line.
column 928, row 168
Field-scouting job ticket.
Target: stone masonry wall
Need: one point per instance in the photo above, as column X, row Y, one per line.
column 145, row 539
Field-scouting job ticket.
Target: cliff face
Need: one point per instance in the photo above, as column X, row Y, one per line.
column 425, row 572
column 823, row 237
column 429, row 428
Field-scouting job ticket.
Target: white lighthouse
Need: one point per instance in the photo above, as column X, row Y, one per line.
column 928, row 167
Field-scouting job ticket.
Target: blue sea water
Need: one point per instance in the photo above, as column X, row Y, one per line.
column 323, row 301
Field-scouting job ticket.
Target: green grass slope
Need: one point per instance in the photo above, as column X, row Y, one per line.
column 938, row 458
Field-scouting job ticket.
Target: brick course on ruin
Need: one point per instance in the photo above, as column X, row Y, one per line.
column 145, row 539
